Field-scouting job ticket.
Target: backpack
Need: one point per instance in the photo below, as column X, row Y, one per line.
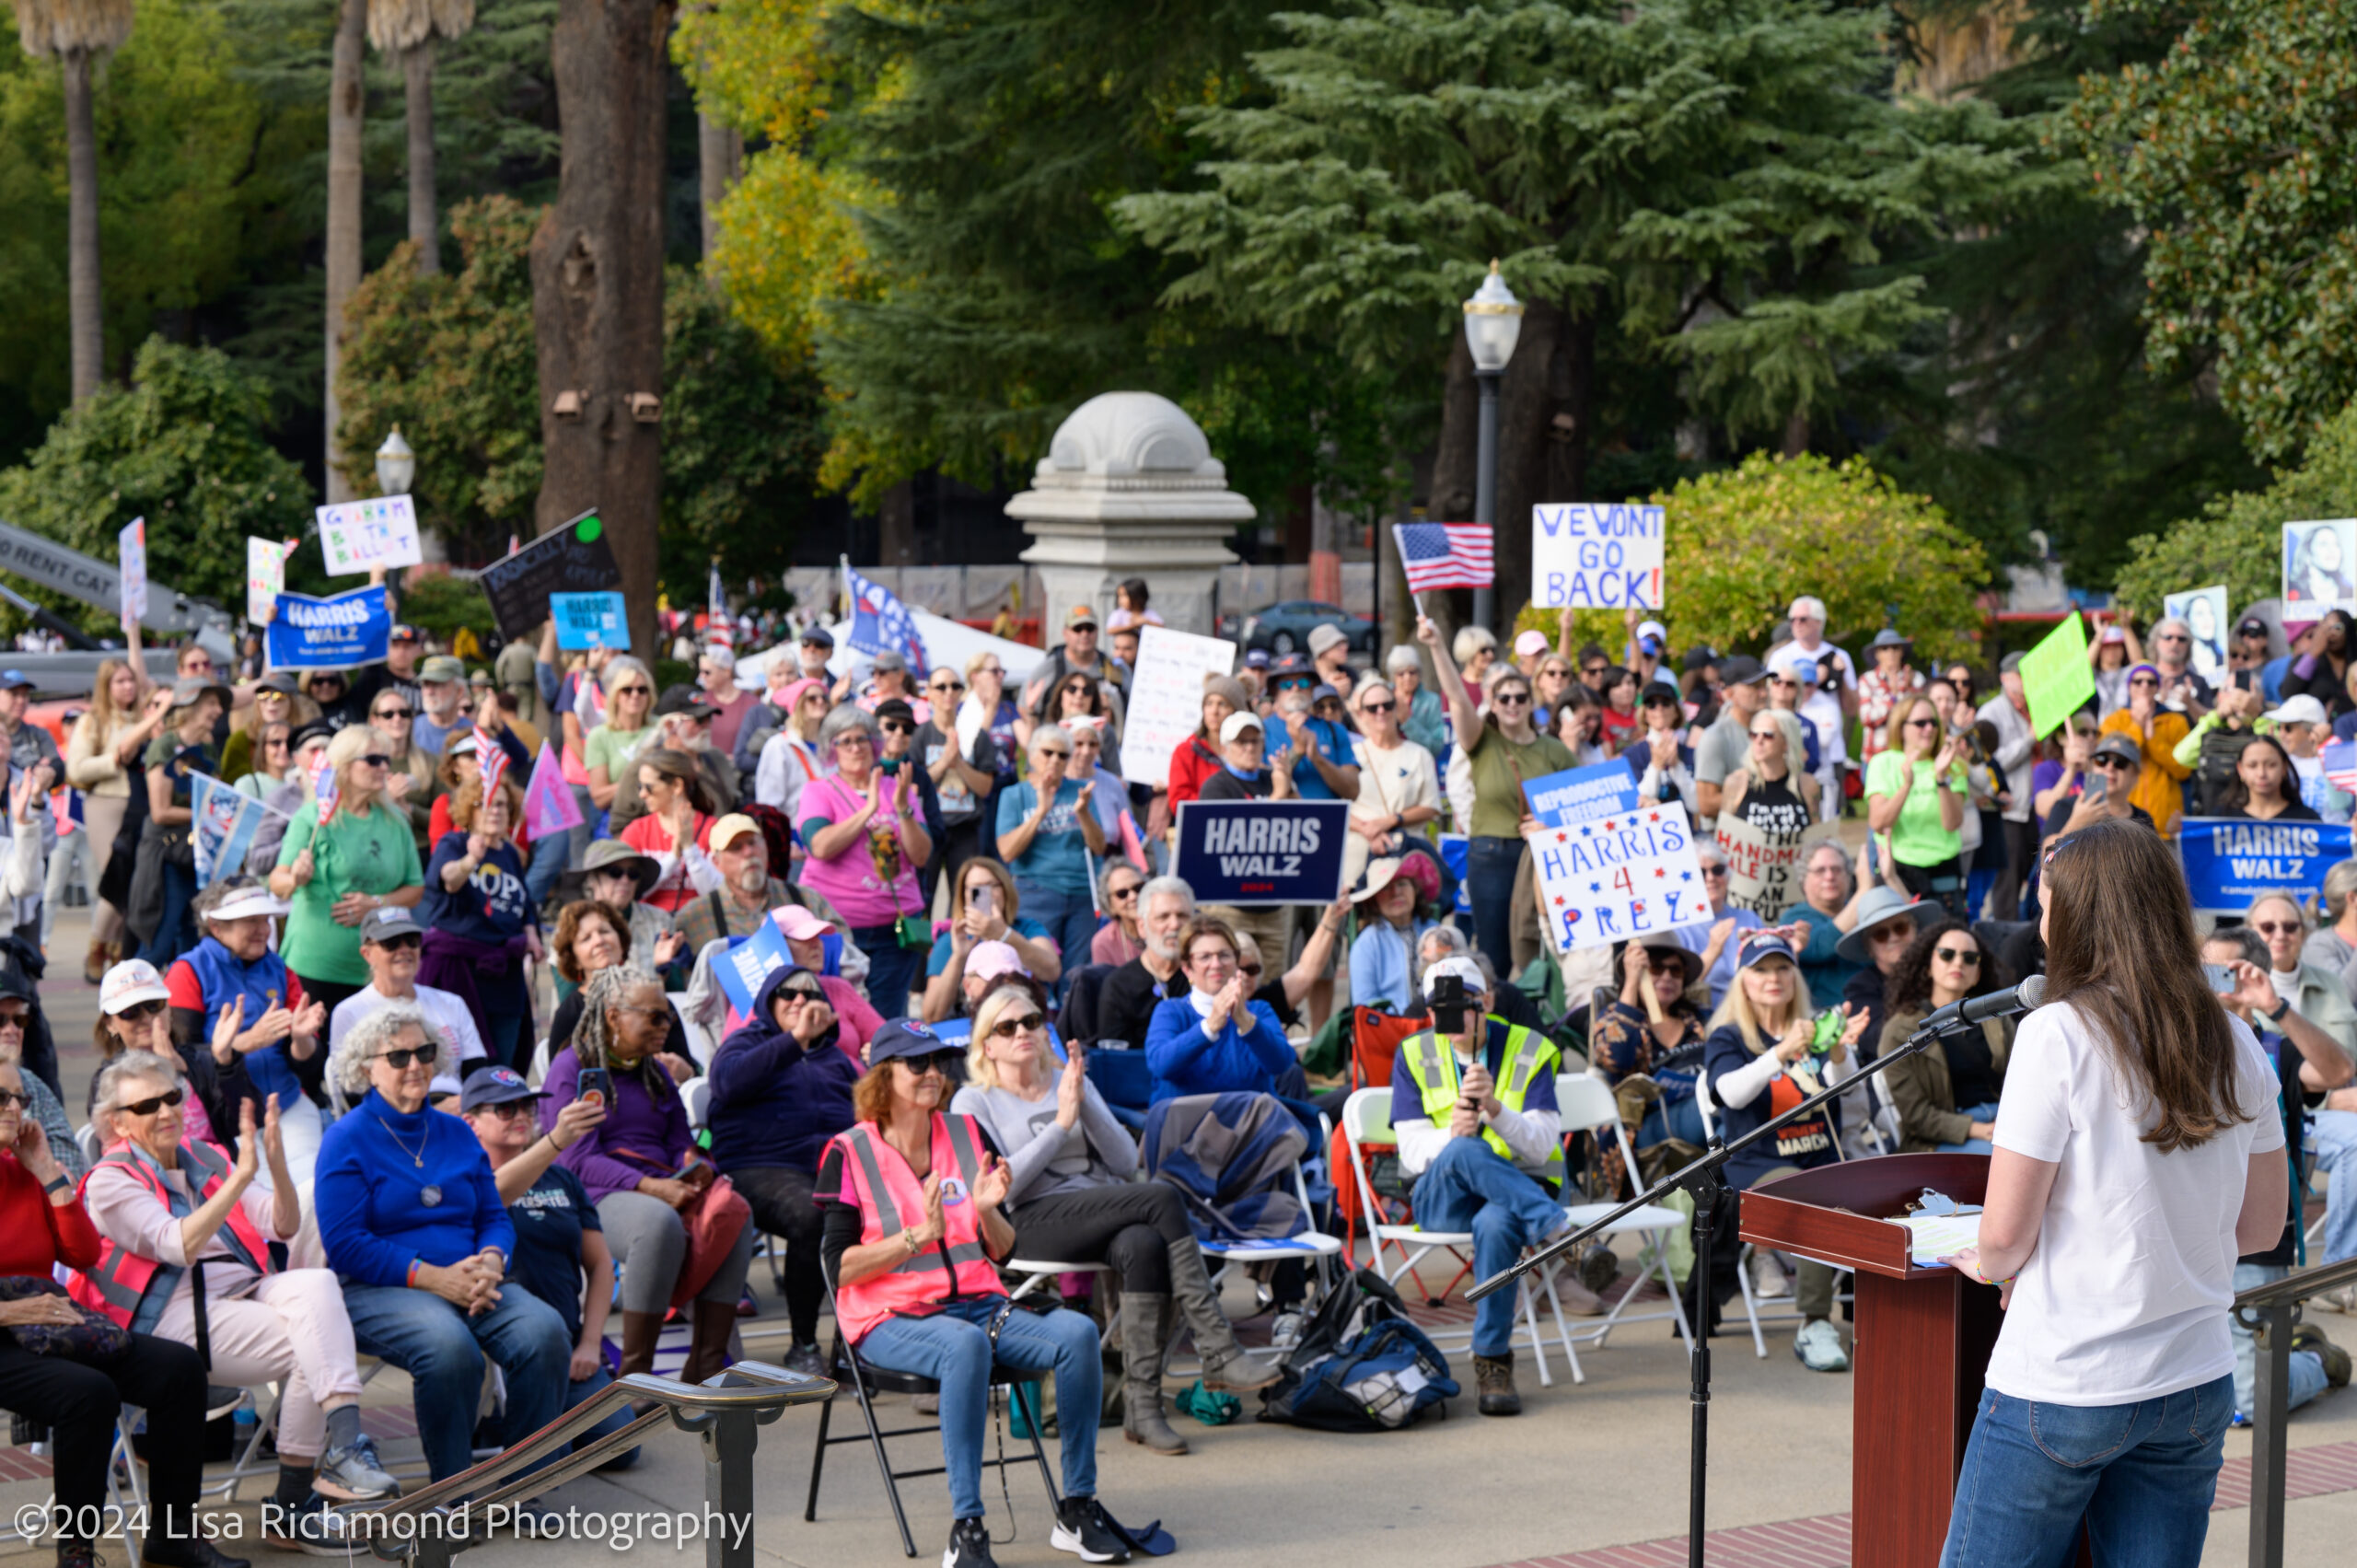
column 1360, row 1365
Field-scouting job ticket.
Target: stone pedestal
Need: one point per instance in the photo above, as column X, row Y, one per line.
column 1130, row 489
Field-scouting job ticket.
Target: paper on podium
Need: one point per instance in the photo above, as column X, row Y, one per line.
column 1934, row 1237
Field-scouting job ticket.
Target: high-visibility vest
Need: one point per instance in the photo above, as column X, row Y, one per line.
column 1432, row 1063
column 890, row 1199
column 122, row 1277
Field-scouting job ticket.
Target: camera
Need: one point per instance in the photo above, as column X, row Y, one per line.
column 1449, row 1004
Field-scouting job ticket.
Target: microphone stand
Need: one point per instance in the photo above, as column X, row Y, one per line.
column 1702, row 1180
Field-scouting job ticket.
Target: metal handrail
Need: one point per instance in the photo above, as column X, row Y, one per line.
column 724, row 1409
column 2271, row 1312
column 2300, row 1285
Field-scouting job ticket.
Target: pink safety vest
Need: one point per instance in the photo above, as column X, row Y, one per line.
column 890, row 1199
column 120, row 1279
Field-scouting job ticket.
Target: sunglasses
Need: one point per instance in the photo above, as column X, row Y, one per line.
column 2143, row 680
column 1923, row 724
column 398, row 944
column 16, row 1099
column 634, row 691
column 511, row 1110
column 2270, row 928
column 1007, row 1028
column 1899, row 931
column 1515, row 699
column 137, row 1012
column 402, row 1057
column 1252, row 970
column 394, row 714
column 1128, row 892
column 376, row 760
column 803, row 993
column 2172, row 638
column 1052, row 754
column 1291, row 683
column 1595, row 670
column 1661, row 703
column 2113, row 765
column 948, row 686
column 1376, row 708
column 1968, row 957
column 936, row 1064
column 895, row 726
column 1766, row 734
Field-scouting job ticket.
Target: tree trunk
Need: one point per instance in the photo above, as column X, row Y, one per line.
column 720, row 159
column 598, row 284
column 1526, row 423
column 424, row 215
column 84, row 301
column 1454, row 476
column 1795, row 434
column 347, row 99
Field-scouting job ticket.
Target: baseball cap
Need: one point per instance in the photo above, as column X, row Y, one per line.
column 1659, row 691
column 281, row 682
column 1802, row 670
column 888, row 660
column 2009, row 663
column 1079, row 615
column 1324, row 635
column 2120, row 748
column 1256, row 659
column 1237, row 724
column 819, row 635
column 128, row 983
column 460, row 744
column 2301, row 709
column 1525, row 642
column 482, row 680
column 1462, row 968
column 317, row 729
column 2249, row 626
column 403, row 631
column 1652, row 629
column 1324, row 690
column 441, row 667
column 186, row 691
column 2112, row 634
column 16, row 680
column 683, row 698
column 990, row 960
column 903, row 1037
column 496, row 1085
column 1757, row 946
column 1291, row 663
column 798, row 922
column 1701, row 655
column 731, row 827
column 1741, row 670
column 385, row 923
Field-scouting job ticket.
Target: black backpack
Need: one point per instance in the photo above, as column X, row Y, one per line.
column 1360, row 1365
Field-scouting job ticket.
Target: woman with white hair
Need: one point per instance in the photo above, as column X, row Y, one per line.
column 1051, row 836
column 170, row 1209
column 340, row 859
column 864, row 830
column 1424, row 717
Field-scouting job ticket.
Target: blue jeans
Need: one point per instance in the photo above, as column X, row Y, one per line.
column 1471, row 1187
column 891, row 969
column 1071, row 920
column 1987, row 1113
column 1666, row 1119
column 1489, row 867
column 549, row 857
column 2142, row 1475
column 2307, row 1367
column 498, row 1429
column 443, row 1350
column 2333, row 1136
column 953, row 1348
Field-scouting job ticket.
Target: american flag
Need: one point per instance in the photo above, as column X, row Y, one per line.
column 2340, row 766
column 718, row 633
column 492, row 757
column 323, row 788
column 1445, row 555
column 881, row 623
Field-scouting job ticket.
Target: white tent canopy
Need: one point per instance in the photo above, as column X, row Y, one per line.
column 946, row 641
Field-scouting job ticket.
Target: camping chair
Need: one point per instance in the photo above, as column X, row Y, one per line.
column 1375, row 1044
column 863, row 1383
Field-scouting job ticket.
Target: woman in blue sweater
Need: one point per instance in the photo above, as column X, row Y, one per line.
column 411, row 1216
column 780, row 1089
column 1217, row 1039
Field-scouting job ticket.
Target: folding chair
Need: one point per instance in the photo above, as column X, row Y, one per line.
column 864, row 1382
column 1123, row 1079
column 1586, row 1105
column 696, row 1096
column 1366, row 1116
column 1745, row 1253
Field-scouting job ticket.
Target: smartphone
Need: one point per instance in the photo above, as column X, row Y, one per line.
column 2221, row 978
column 2095, row 789
column 595, row 1081
column 980, row 899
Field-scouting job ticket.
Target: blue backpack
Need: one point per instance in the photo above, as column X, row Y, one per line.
column 1361, row 1366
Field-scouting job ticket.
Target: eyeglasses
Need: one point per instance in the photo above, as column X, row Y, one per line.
column 2142, row 680
column 1218, row 957
column 1968, row 957
column 137, row 1012
column 937, row 1064
column 1131, row 891
column 992, row 669
column 1376, row 708
column 394, row 713
column 854, row 737
column 897, row 727
column 1007, row 1028
column 1896, row 931
column 400, row 1058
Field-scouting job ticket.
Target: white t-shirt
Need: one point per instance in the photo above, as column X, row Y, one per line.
column 1830, row 660
column 442, row 1009
column 2127, row 1295
column 1393, row 782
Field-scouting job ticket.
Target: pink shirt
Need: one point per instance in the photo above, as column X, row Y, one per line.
column 871, row 883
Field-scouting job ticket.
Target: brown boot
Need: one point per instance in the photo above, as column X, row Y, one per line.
column 708, row 1349
column 1494, row 1376
column 640, row 1331
column 94, row 962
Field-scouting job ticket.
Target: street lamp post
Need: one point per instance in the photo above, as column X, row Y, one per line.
column 1493, row 323
column 397, row 465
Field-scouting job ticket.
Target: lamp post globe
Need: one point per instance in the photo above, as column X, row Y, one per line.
column 1493, row 323
column 396, row 466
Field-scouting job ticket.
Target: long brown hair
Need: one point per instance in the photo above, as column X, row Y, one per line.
column 2121, row 949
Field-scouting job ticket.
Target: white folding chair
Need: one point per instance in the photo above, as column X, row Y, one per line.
column 1039, row 1273
column 696, row 1096
column 1586, row 1105
column 1745, row 1253
column 1366, row 1117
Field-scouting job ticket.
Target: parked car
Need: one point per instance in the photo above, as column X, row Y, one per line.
column 1284, row 628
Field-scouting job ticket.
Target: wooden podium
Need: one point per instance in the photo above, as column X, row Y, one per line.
column 1922, row 1339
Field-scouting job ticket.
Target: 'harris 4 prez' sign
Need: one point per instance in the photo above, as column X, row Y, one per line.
column 2229, row 862
column 1622, row 877
column 1263, row 852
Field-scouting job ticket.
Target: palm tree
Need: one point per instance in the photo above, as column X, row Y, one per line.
column 80, row 33
column 347, row 104
column 408, row 29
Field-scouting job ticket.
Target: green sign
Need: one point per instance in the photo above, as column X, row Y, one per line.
column 2056, row 676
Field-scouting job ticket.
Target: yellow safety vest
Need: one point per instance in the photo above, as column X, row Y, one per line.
column 1432, row 1065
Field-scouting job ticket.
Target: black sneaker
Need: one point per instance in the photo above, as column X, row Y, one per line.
column 808, row 1360
column 970, row 1545
column 1082, row 1529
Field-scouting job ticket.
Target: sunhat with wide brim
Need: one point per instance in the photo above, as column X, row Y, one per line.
column 608, row 854
column 1879, row 907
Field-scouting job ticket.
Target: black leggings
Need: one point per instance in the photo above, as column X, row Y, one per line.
column 779, row 1197
column 1130, row 1226
column 79, row 1405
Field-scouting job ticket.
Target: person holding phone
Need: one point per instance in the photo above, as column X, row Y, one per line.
column 985, row 905
column 2106, row 791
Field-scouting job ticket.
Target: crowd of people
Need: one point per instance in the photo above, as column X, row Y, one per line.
column 415, row 1080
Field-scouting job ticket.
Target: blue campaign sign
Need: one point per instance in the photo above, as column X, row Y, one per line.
column 330, row 633
column 749, row 961
column 1263, row 852
column 959, row 1032
column 2230, row 862
column 1454, row 848
column 1582, row 795
column 590, row 621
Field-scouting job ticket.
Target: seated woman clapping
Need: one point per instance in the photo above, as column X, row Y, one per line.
column 411, row 1217
column 185, row 1256
column 1072, row 1199
column 914, row 1223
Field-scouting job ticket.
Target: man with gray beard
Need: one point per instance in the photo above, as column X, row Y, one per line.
column 1131, row 992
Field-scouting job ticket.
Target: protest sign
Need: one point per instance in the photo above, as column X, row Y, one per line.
column 130, row 560
column 1167, row 698
column 225, row 823
column 2203, row 610
column 1263, row 852
column 266, row 577
column 361, row 536
column 1581, row 794
column 2056, row 677
column 1766, row 859
column 1453, row 850
column 330, row 633
column 749, row 961
column 1602, row 882
column 2319, row 559
column 1595, row 556
column 574, row 557
column 549, row 805
column 2230, row 862
column 590, row 621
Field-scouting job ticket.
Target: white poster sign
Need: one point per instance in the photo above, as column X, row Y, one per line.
column 2203, row 610
column 1167, row 698
column 2319, row 560
column 131, row 560
column 360, row 536
column 266, row 577
column 1597, row 555
column 1628, row 876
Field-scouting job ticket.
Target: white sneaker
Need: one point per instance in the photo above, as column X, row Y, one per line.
column 1818, row 1344
column 2344, row 1299
column 1285, row 1332
column 1768, row 1278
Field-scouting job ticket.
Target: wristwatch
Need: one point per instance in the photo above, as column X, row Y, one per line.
column 2282, row 1006
column 60, row 1183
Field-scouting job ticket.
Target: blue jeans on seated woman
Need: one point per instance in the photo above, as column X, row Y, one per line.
column 1071, row 920
column 1665, row 1118
column 2142, row 1475
column 443, row 1350
column 953, row 1348
column 892, row 969
column 1973, row 1146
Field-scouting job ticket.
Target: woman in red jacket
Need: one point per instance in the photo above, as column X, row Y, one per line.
column 1198, row 757
column 43, row 1224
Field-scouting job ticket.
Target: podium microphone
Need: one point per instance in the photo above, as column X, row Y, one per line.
column 2022, row 998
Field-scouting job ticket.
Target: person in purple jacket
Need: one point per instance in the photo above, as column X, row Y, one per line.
column 781, row 1088
column 641, row 1166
